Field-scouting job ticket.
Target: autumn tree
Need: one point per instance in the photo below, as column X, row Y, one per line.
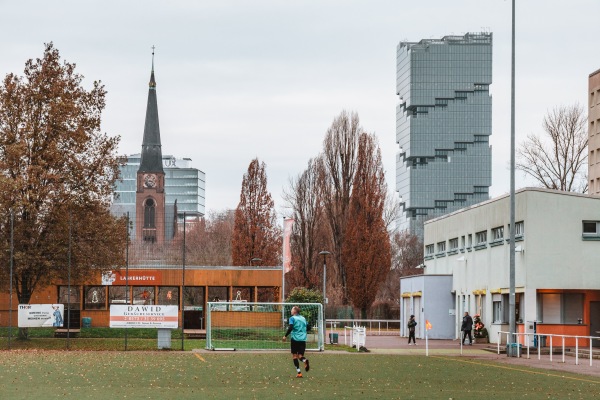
column 208, row 242
column 339, row 163
column 406, row 257
column 255, row 231
column 557, row 158
column 57, row 172
column 309, row 234
column 366, row 251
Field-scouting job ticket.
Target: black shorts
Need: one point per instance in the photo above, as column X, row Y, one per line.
column 298, row 347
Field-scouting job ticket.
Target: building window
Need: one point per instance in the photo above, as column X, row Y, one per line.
column 480, row 240
column 453, row 244
column 168, row 295
column 498, row 233
column 441, row 246
column 193, row 297
column 95, row 297
column 497, row 311
column 469, row 241
column 481, row 237
column 143, row 295
column 560, row 308
column 429, row 250
column 65, row 296
column 149, row 214
column 462, row 242
column 500, row 308
column 519, row 228
column 591, row 229
column 268, row 294
column 117, row 295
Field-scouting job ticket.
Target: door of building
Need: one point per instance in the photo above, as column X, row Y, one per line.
column 417, row 313
column 595, row 322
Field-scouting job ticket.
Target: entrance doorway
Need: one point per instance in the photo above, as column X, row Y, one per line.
column 595, row 322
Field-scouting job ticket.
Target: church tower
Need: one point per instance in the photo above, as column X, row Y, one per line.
column 150, row 194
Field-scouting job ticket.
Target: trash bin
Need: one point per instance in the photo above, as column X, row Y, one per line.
column 86, row 322
column 333, row 338
column 514, row 350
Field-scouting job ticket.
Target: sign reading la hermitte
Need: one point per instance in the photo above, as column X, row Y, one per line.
column 132, row 316
column 136, row 278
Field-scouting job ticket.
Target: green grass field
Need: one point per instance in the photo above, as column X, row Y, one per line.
column 177, row 375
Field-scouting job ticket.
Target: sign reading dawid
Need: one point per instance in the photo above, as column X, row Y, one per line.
column 124, row 316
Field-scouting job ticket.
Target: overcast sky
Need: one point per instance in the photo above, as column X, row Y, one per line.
column 265, row 78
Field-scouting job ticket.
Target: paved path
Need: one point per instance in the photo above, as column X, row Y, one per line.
column 476, row 353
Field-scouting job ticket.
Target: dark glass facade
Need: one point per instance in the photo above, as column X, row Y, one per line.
column 443, row 124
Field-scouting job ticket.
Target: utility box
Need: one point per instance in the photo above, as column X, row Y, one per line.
column 333, row 338
column 514, row 350
column 164, row 339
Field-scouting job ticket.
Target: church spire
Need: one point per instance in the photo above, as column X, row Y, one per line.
column 151, row 148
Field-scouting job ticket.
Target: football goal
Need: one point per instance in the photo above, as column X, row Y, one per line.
column 241, row 325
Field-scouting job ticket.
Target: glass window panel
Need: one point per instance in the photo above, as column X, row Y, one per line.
column 118, row 295
column 168, row 295
column 143, row 295
column 95, row 297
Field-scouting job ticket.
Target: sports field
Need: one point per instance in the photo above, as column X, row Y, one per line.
column 235, row 375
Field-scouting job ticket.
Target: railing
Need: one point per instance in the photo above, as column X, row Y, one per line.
column 538, row 336
column 378, row 327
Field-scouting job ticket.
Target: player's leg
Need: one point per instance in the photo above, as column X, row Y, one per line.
column 305, row 361
column 301, row 351
column 296, row 355
column 297, row 365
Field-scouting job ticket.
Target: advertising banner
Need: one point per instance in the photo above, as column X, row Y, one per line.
column 41, row 315
column 139, row 316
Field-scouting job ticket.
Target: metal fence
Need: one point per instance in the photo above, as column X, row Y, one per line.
column 525, row 341
column 379, row 327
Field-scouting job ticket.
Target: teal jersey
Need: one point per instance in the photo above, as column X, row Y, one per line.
column 299, row 329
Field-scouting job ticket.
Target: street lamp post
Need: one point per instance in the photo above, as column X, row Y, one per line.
column 324, row 253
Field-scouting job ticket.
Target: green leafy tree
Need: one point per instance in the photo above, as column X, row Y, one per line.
column 304, row 295
column 300, row 295
column 57, row 172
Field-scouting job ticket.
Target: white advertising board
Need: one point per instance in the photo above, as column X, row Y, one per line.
column 138, row 316
column 41, row 315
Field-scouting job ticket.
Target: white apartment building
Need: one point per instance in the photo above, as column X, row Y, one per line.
column 557, row 264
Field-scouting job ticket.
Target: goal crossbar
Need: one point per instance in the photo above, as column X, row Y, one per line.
column 241, row 325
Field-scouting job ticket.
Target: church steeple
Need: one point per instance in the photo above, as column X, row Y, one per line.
column 151, row 148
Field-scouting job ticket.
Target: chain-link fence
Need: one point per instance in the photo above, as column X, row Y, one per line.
column 158, row 261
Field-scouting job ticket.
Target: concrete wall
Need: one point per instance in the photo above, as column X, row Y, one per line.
column 430, row 299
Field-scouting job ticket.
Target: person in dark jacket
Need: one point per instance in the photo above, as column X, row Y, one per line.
column 411, row 329
column 466, row 327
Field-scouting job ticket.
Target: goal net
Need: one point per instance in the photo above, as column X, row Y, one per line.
column 240, row 325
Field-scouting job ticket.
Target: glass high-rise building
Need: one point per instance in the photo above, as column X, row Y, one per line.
column 184, row 185
column 443, row 125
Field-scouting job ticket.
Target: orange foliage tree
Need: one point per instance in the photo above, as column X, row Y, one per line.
column 366, row 252
column 57, row 172
column 255, row 231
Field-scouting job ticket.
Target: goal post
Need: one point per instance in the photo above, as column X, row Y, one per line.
column 236, row 325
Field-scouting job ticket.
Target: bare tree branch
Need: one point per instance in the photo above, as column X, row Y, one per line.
column 557, row 160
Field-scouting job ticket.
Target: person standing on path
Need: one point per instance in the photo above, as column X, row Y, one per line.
column 411, row 330
column 297, row 327
column 466, row 327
